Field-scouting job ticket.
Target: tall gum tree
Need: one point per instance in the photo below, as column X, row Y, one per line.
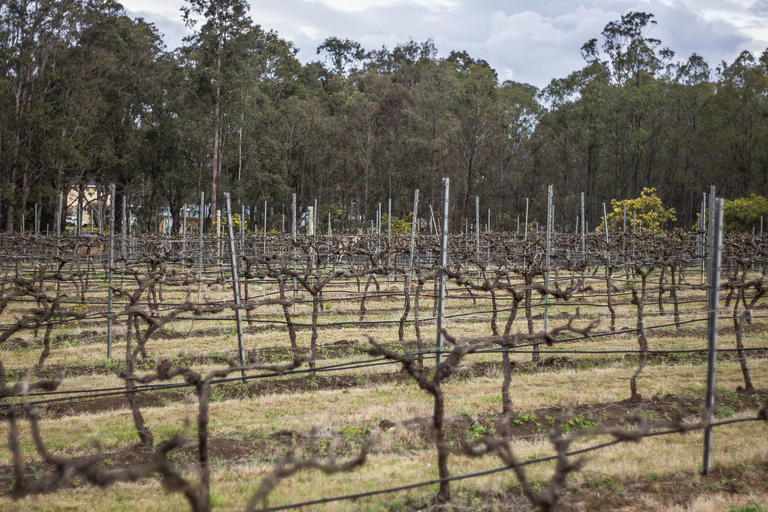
column 209, row 51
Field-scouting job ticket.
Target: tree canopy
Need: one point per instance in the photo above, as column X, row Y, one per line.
column 89, row 96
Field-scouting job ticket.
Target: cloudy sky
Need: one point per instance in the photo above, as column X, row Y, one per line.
column 529, row 41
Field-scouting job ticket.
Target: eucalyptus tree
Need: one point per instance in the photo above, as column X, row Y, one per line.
column 211, row 52
column 33, row 37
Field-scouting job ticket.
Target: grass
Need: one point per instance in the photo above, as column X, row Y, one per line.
column 401, row 455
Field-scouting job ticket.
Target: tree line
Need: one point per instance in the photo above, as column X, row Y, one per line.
column 89, row 97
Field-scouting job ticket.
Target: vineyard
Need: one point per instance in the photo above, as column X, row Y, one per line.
column 271, row 372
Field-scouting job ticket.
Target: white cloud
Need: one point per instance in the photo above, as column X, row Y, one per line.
column 529, row 40
column 367, row 5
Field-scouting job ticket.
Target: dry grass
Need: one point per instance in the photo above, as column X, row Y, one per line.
column 399, row 456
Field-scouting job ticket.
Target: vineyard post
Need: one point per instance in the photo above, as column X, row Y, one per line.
column 547, row 256
column 235, row 283
column 583, row 231
column 414, row 222
column 265, row 227
column 200, row 248
column 624, row 231
column 37, row 220
column 517, row 231
column 477, row 226
column 122, row 245
column 605, row 222
column 110, row 292
column 702, row 222
column 311, row 232
column 389, row 219
column 432, row 223
column 58, row 223
column 218, row 234
column 314, row 218
column 293, row 237
column 443, row 264
column 713, row 301
column 711, row 221
column 488, row 230
column 242, row 227
column 634, row 220
column 329, row 223
column 761, row 226
column 526, row 219
column 184, row 229
column 79, row 215
column 477, row 231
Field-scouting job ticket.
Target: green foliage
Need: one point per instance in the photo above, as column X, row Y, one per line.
column 648, row 208
column 743, row 214
column 476, row 432
column 235, row 224
column 749, row 508
column 400, row 226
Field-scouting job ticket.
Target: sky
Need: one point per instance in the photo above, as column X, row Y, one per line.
column 531, row 41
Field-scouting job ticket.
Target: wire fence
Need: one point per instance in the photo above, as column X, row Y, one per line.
column 500, row 291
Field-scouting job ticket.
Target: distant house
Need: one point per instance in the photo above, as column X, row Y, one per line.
column 189, row 219
column 95, row 204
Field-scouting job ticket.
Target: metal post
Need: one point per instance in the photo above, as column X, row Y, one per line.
column 37, row 221
column 713, row 302
column 443, row 264
column 389, row 219
column 265, row 227
column 526, row 219
column 634, row 221
column 583, row 231
column 293, row 237
column 79, row 213
column 488, row 226
column 702, row 223
column 109, row 271
column 432, row 222
column 58, row 215
column 122, row 236
column 547, row 256
column 123, row 228
column 477, row 225
column 624, row 231
column 329, row 224
column 101, row 227
column 605, row 222
column 378, row 220
column 314, row 219
column 235, row 283
column 184, row 229
column 218, row 233
column 200, row 248
column 414, row 223
column 311, row 221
